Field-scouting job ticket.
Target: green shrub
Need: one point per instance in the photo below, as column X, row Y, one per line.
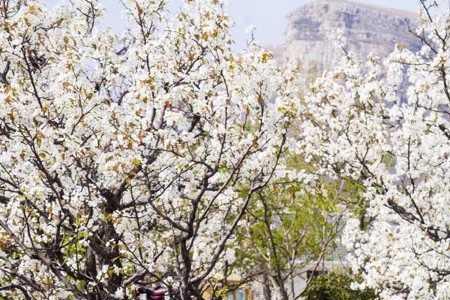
column 336, row 286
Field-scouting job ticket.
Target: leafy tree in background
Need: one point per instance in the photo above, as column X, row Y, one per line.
column 286, row 232
column 289, row 227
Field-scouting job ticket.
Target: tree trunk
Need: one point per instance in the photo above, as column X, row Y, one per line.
column 292, row 286
column 267, row 287
column 281, row 289
column 283, row 293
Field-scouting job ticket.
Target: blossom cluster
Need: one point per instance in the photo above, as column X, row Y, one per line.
column 129, row 160
column 384, row 124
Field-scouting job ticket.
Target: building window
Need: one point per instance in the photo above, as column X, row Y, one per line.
column 238, row 294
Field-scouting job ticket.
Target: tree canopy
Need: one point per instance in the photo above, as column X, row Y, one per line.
column 123, row 157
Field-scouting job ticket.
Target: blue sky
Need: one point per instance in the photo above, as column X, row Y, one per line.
column 268, row 16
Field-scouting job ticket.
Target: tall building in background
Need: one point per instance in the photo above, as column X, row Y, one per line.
column 312, row 29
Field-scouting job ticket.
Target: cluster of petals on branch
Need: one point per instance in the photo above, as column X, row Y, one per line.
column 384, row 124
column 127, row 159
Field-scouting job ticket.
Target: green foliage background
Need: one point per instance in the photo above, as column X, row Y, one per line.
column 336, row 286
